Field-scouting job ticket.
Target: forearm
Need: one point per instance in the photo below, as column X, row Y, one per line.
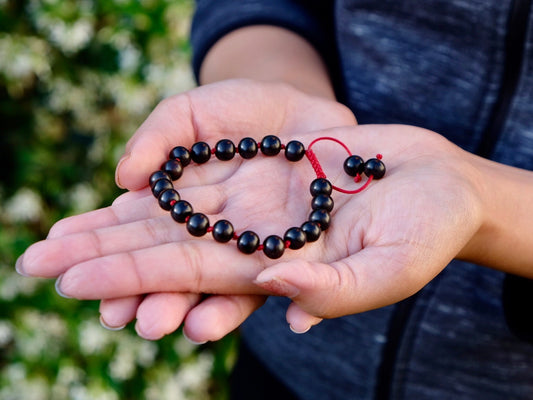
column 268, row 53
column 505, row 238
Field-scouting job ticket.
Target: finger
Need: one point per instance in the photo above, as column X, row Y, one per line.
column 372, row 278
column 299, row 320
column 109, row 231
column 162, row 313
column 115, row 314
column 217, row 316
column 185, row 119
column 186, row 266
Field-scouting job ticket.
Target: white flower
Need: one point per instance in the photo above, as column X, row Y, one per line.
column 83, row 198
column 24, row 206
column 6, row 332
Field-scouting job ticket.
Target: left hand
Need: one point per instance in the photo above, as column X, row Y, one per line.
column 384, row 243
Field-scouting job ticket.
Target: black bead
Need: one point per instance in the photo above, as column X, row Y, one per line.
column 322, row 202
column 312, row 231
column 296, row 238
column 182, row 154
column 273, row 247
column 160, row 186
column 173, row 168
column 200, row 152
column 270, row 145
column 223, row 231
column 181, row 210
column 248, row 148
column 197, row 224
column 167, row 197
column 248, row 242
column 294, row 150
column 156, row 176
column 354, row 165
column 375, row 167
column 321, row 217
column 320, row 186
column 225, row 150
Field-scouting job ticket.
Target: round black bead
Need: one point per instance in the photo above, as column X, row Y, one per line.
column 321, row 217
column 294, row 150
column 270, row 145
column 295, row 237
column 322, row 202
column 181, row 210
column 156, row 176
column 273, row 247
column 167, row 197
column 248, row 148
column 248, row 242
column 182, row 154
column 375, row 167
column 312, row 231
column 160, row 186
column 223, row 231
column 224, row 150
column 354, row 165
column 197, row 224
column 173, row 168
column 320, row 186
column 200, row 152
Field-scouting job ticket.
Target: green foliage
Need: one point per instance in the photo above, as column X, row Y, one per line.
column 76, row 79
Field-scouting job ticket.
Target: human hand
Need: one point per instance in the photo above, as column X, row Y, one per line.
column 384, row 243
column 228, row 109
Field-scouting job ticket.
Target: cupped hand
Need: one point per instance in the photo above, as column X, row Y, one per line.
column 228, row 109
column 383, row 244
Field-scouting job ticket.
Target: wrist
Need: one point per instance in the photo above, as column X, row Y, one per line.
column 268, row 53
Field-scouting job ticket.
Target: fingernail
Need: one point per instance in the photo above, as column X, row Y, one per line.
column 110, row 328
column 117, row 170
column 192, row 341
column 277, row 286
column 58, row 288
column 18, row 266
column 299, row 331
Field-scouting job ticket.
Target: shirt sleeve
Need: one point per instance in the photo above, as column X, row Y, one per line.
column 311, row 19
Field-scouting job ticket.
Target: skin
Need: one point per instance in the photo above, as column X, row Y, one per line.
column 436, row 202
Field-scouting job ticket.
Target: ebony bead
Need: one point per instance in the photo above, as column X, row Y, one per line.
column 173, row 168
column 223, row 231
column 375, row 167
column 160, row 186
column 322, row 202
column 156, row 176
column 354, row 165
column 181, row 210
column 320, row 186
column 200, row 152
column 273, row 247
column 224, row 150
column 248, row 148
column 197, row 224
column 167, row 197
column 321, row 217
column 182, row 154
column 270, row 145
column 312, row 231
column 248, row 242
column 294, row 150
column 296, row 238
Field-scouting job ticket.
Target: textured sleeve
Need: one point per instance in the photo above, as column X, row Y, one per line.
column 312, row 19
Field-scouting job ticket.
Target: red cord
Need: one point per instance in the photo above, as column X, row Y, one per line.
column 311, row 156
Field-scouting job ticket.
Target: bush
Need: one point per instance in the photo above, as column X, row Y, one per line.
column 76, row 79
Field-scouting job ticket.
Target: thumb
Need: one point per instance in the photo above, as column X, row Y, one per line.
column 362, row 282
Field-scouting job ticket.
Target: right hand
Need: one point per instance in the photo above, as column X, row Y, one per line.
column 230, row 109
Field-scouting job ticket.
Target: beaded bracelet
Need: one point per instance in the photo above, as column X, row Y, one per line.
column 248, row 242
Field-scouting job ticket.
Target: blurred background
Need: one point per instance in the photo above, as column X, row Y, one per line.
column 76, row 79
